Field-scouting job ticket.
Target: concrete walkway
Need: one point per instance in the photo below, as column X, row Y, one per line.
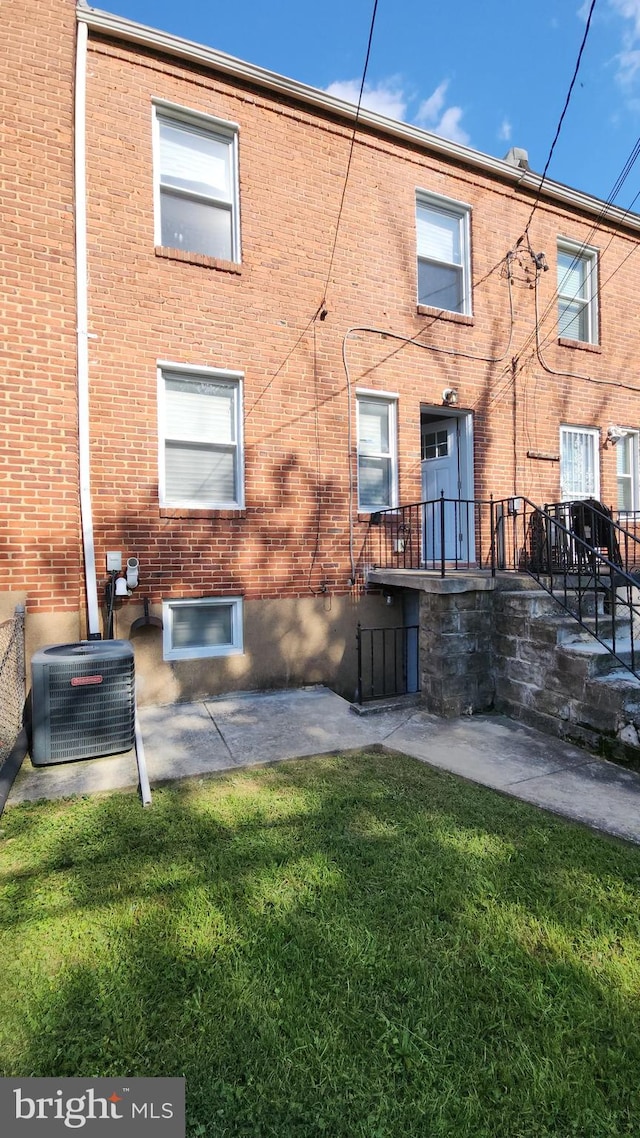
column 185, row 740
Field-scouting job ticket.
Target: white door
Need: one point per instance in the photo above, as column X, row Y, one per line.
column 441, row 477
column 579, row 463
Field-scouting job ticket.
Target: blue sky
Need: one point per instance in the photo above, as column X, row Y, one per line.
column 488, row 73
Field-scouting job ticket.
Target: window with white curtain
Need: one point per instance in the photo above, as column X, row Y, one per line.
column 377, row 453
column 206, row 626
column 200, row 433
column 196, row 184
column 444, row 270
column 577, row 293
column 579, row 463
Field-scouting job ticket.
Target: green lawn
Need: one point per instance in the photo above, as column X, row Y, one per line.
column 345, row 946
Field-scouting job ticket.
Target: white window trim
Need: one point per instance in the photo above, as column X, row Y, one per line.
column 392, row 402
column 462, row 211
column 164, row 368
column 235, row 648
column 590, row 255
column 634, row 476
column 223, row 130
column 594, row 432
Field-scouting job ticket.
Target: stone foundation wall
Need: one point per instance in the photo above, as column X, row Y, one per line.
column 572, row 690
column 455, row 652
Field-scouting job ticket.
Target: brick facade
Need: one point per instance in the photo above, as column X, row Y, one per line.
column 41, row 551
column 261, row 317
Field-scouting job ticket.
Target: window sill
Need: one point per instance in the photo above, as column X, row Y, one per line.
column 198, row 259
column 581, row 345
column 366, row 515
column 444, row 314
column 186, row 512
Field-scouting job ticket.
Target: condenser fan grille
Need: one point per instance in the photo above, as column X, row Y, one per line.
column 83, row 701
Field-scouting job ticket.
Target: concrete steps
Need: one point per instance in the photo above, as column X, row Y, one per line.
column 553, row 674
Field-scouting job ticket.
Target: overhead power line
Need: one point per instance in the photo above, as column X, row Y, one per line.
column 564, row 111
column 353, row 139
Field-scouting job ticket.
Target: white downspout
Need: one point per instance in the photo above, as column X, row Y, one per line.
column 86, row 515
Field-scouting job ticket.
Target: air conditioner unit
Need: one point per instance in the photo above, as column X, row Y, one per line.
column 83, row 701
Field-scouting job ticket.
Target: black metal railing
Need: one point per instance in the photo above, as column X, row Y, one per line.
column 629, row 520
column 388, row 662
column 616, row 534
column 580, row 555
column 589, row 581
column 445, row 532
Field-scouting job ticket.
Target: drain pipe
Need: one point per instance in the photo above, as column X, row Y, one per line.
column 82, row 332
column 143, row 777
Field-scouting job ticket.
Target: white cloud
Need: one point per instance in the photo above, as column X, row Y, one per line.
column 629, row 10
column 385, row 99
column 388, row 98
column 628, row 60
column 449, row 126
column 445, row 123
column 505, row 131
column 429, row 110
column 628, row 66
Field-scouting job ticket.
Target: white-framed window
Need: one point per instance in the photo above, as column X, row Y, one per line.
column 444, row 259
column 377, row 452
column 579, row 463
column 577, row 292
column 207, row 626
column 196, row 183
column 627, row 472
column 200, row 438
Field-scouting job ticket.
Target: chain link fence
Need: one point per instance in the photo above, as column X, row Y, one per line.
column 12, row 684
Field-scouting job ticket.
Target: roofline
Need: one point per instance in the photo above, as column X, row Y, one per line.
column 140, row 35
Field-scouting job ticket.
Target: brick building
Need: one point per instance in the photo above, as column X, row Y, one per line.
column 223, row 356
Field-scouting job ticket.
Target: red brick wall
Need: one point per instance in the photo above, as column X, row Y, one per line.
column 293, row 535
column 294, row 532
column 39, row 548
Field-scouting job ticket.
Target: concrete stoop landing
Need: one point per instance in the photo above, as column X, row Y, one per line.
column 554, row 675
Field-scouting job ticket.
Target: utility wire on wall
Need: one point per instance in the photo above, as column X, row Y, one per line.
column 534, row 336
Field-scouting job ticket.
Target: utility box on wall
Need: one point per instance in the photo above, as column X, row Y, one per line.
column 83, row 701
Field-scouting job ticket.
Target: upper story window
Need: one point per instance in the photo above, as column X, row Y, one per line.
column 196, row 184
column 444, row 264
column 200, row 437
column 577, row 292
column 377, row 452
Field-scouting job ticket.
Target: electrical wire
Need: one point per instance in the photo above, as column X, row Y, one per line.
column 552, row 303
column 561, row 119
column 351, row 148
column 405, row 341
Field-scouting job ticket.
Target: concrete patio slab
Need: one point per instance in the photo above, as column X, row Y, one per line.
column 85, row 776
column 242, row 729
column 268, row 726
column 492, row 750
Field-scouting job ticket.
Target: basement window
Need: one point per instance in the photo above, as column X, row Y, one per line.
column 207, row 626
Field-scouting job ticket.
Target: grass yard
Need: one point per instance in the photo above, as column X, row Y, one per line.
column 350, row 947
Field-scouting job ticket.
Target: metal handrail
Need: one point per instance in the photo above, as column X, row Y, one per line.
column 514, row 534
column 626, row 541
